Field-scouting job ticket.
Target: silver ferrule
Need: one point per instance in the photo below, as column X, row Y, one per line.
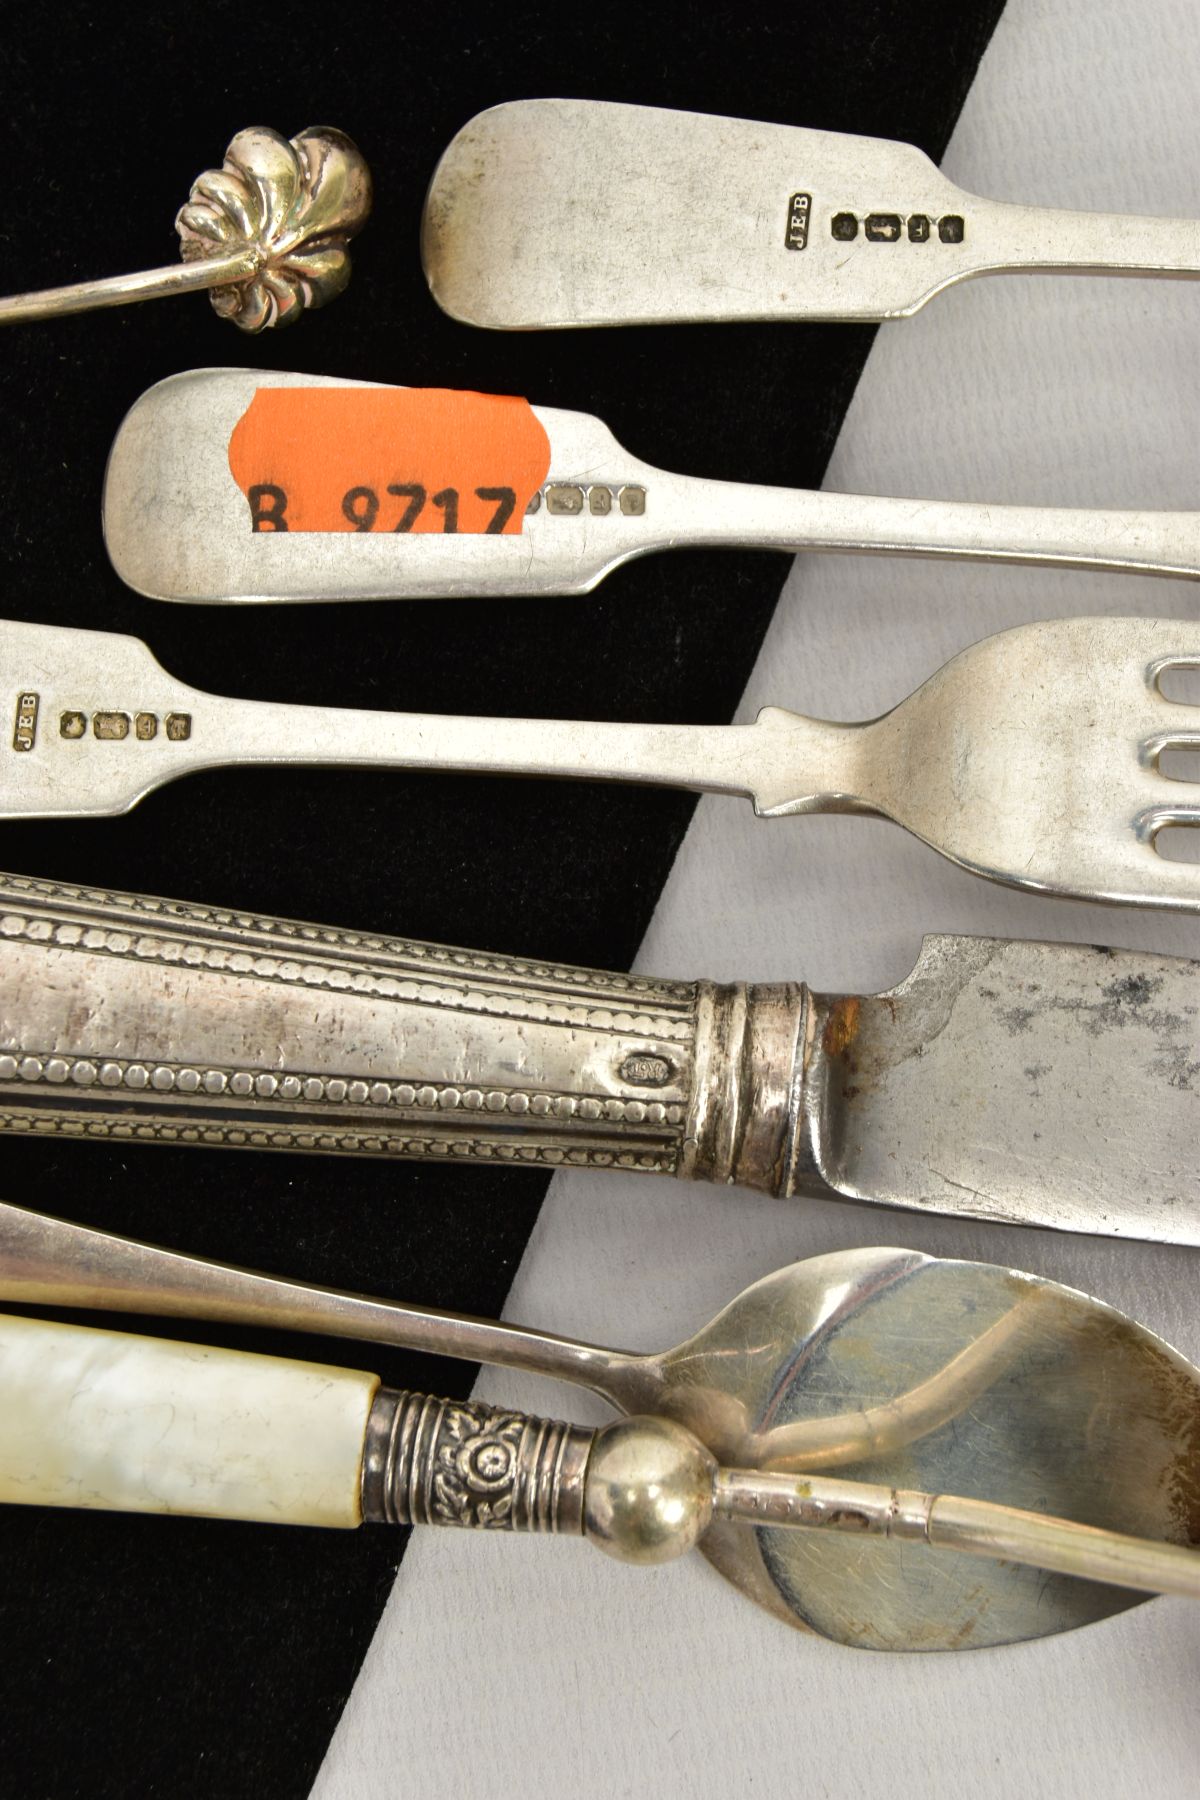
column 746, row 1108
column 459, row 1462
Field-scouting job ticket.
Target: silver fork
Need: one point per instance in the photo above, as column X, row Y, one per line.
column 1032, row 758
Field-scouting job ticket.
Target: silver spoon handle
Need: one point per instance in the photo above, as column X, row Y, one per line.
column 950, row 1522
column 52, row 1262
column 1006, row 237
column 731, row 514
column 134, row 1019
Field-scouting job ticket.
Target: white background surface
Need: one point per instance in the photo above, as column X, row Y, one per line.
column 586, row 1678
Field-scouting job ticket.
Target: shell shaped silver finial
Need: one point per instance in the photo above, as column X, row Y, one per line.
column 296, row 202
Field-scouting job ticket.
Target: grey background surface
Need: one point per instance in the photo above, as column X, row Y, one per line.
column 590, row 1679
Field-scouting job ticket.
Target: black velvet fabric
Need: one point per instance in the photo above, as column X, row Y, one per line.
column 174, row 1657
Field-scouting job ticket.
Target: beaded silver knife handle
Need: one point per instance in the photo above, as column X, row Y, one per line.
column 125, row 1018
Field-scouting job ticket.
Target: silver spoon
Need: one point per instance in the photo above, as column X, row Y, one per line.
column 243, row 485
column 887, row 1366
column 266, row 232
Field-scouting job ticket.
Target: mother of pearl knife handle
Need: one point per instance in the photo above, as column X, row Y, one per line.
column 108, row 1421
column 129, row 1424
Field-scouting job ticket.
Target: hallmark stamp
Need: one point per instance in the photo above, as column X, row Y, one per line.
column 568, row 499
column 889, row 228
column 643, row 1069
column 112, row 727
column 25, row 729
column 564, row 497
column 799, row 213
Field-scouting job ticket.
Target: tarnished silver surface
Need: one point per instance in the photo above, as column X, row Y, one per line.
column 941, row 1385
column 1033, row 1083
column 178, row 526
column 1034, row 758
column 576, row 212
column 266, row 233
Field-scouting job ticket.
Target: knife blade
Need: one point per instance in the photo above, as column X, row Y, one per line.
column 551, row 213
column 1020, row 1082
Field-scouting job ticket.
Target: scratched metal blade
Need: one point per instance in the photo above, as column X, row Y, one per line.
column 1038, row 1084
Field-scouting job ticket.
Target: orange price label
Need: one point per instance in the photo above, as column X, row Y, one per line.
column 387, row 459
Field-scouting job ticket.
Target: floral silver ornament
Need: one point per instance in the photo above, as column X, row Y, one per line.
column 295, row 204
column 266, row 233
column 476, row 1466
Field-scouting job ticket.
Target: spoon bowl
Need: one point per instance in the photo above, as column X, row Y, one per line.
column 952, row 1377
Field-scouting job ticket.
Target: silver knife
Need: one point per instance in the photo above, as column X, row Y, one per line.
column 545, row 213
column 1025, row 1083
column 240, row 485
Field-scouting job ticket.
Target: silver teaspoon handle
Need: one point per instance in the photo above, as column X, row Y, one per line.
column 129, row 1018
column 1012, row 237
column 1144, row 543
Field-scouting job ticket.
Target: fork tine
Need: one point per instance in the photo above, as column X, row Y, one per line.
column 1162, row 879
column 1168, row 812
column 1185, row 713
column 1175, row 740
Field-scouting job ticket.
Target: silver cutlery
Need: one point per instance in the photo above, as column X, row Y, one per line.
column 1010, row 1081
column 235, row 485
column 266, row 233
column 1046, row 757
column 886, row 1366
column 548, row 213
